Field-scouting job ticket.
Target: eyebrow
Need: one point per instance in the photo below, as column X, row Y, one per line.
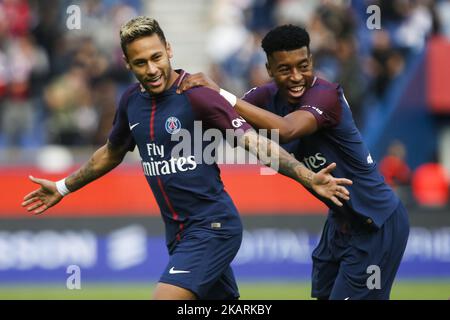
column 287, row 65
column 154, row 55
column 304, row 60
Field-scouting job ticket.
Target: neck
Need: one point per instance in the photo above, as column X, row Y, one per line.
column 172, row 78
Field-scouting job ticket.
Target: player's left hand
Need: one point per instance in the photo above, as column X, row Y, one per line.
column 197, row 80
column 330, row 187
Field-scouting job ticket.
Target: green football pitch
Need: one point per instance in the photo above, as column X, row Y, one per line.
column 402, row 290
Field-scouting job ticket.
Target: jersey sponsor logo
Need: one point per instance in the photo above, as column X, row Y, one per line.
column 165, row 167
column 133, row 125
column 238, row 122
column 155, row 167
column 315, row 161
column 173, row 125
column 173, row 271
column 155, row 150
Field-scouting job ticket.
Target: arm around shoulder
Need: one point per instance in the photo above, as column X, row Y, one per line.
column 294, row 125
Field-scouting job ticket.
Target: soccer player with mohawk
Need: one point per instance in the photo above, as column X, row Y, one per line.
column 203, row 228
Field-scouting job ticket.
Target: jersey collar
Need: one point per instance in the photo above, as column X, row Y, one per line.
column 171, row 90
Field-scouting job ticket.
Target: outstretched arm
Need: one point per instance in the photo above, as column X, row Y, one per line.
column 102, row 161
column 291, row 126
column 271, row 154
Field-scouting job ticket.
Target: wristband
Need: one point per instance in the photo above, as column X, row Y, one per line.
column 231, row 98
column 62, row 188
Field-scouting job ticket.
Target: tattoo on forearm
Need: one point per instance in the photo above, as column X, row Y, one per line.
column 272, row 155
column 103, row 161
column 82, row 176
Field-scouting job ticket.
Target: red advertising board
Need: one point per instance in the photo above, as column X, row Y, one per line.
column 125, row 191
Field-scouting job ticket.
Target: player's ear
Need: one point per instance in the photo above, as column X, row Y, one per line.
column 127, row 64
column 169, row 50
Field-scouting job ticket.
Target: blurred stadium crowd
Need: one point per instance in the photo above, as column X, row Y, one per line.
column 345, row 50
column 56, row 86
column 60, row 86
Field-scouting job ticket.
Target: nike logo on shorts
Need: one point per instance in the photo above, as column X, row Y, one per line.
column 173, row 271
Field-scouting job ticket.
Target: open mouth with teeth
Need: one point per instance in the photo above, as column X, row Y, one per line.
column 154, row 82
column 296, row 91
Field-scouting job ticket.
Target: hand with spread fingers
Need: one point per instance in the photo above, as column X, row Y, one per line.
column 43, row 198
column 329, row 187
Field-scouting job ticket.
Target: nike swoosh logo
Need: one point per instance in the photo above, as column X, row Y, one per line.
column 348, row 298
column 134, row 125
column 173, row 271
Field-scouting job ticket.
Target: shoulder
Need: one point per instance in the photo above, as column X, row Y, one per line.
column 261, row 95
column 321, row 87
column 322, row 94
column 322, row 100
column 128, row 92
column 200, row 93
column 201, row 97
column 131, row 89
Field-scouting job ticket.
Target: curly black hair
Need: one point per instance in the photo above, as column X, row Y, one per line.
column 285, row 38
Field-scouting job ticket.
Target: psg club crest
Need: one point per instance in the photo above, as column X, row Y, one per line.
column 173, row 125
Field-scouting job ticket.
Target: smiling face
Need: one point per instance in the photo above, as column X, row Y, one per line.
column 292, row 72
column 148, row 58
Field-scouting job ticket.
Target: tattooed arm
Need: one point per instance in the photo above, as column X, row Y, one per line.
column 272, row 155
column 102, row 161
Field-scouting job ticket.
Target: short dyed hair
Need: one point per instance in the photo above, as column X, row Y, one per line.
column 285, row 38
column 137, row 28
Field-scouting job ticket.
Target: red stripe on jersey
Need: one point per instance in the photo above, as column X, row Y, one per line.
column 152, row 120
column 169, row 204
column 181, row 229
column 172, row 210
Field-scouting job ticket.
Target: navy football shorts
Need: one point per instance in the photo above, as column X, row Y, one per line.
column 359, row 263
column 200, row 263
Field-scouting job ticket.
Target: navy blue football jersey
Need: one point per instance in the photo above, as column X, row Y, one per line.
column 189, row 191
column 336, row 140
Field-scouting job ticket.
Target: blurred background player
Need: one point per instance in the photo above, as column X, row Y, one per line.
column 315, row 121
column 200, row 218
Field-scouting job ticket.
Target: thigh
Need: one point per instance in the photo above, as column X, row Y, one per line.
column 325, row 267
column 371, row 260
column 225, row 288
column 165, row 291
column 201, row 262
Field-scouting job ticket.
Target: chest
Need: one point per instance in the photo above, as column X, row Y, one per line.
column 158, row 120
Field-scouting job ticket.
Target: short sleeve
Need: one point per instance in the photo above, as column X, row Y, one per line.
column 260, row 96
column 120, row 134
column 215, row 111
column 324, row 105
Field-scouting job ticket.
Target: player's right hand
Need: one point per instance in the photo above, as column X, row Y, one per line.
column 43, row 198
column 197, row 80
